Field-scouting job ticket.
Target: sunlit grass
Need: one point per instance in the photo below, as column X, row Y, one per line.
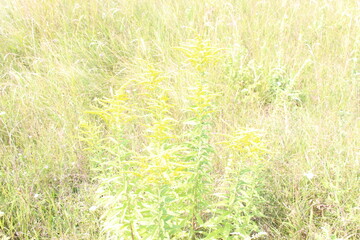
column 272, row 88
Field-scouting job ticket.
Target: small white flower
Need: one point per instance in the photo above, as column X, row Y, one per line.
column 46, row 167
column 2, row 113
column 2, row 213
column 191, row 123
column 36, row 195
column 260, row 234
column 92, row 208
column 245, row 90
column 76, row 6
column 309, row 175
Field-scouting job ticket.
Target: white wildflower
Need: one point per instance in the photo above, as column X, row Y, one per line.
column 309, row 175
column 191, row 123
column 92, row 208
column 258, row 235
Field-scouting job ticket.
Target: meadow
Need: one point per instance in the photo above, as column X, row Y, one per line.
column 154, row 119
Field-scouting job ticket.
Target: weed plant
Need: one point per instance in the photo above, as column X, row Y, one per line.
column 166, row 190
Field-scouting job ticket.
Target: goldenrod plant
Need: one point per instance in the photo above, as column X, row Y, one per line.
column 166, row 190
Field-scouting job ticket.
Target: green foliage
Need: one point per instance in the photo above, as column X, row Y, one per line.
column 167, row 189
column 255, row 83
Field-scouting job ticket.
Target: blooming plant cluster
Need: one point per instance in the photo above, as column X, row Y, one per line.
column 155, row 167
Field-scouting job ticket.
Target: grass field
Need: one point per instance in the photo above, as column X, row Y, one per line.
column 154, row 119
